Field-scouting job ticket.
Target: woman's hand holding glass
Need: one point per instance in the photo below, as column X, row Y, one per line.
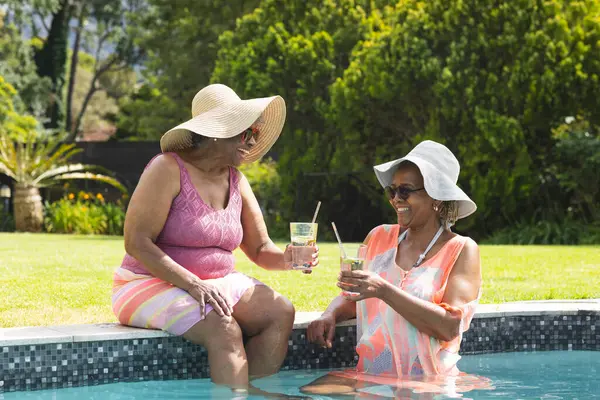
column 305, row 256
column 362, row 284
column 304, row 253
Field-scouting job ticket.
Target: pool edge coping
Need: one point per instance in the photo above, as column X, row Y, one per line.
column 38, row 335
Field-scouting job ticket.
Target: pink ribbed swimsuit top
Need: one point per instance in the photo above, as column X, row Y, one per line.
column 195, row 235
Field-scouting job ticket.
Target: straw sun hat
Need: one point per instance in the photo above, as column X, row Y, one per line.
column 218, row 112
column 440, row 170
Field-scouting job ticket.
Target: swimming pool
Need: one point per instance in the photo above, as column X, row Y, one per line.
column 547, row 375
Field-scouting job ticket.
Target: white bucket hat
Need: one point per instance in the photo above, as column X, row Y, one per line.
column 218, row 112
column 440, row 170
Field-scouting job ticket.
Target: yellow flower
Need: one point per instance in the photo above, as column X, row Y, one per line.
column 100, row 197
column 71, row 196
column 84, row 209
column 86, row 196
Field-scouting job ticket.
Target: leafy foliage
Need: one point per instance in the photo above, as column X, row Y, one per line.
column 17, row 124
column 43, row 163
column 266, row 185
column 298, row 49
column 146, row 115
column 7, row 222
column 84, row 213
column 17, row 68
column 175, row 69
column 490, row 80
column 567, row 194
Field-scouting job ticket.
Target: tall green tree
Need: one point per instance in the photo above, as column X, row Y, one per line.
column 181, row 40
column 51, row 60
column 18, row 69
column 489, row 80
column 110, row 39
column 147, row 114
column 298, row 49
column 101, row 28
column 11, row 120
column 364, row 85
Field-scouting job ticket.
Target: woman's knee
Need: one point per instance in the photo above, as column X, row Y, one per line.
column 284, row 310
column 216, row 332
column 226, row 336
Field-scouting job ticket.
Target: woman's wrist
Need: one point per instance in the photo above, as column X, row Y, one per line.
column 191, row 282
column 387, row 291
column 329, row 314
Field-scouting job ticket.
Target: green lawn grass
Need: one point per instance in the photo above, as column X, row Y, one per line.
column 56, row 279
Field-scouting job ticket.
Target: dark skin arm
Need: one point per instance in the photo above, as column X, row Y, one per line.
column 322, row 330
column 256, row 244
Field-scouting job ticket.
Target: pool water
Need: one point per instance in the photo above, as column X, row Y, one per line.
column 541, row 375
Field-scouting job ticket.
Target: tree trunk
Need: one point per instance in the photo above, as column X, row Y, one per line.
column 51, row 61
column 74, row 60
column 91, row 91
column 27, row 205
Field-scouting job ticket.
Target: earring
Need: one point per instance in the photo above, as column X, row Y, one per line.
column 215, row 139
column 435, row 207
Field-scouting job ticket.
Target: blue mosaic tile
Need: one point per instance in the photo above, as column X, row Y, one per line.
column 47, row 366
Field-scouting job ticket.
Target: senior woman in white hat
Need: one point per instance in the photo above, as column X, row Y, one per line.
column 420, row 287
column 190, row 210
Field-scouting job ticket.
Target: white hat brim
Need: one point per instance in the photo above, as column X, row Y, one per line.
column 230, row 120
column 437, row 185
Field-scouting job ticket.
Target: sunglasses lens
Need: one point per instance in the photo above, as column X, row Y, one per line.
column 401, row 192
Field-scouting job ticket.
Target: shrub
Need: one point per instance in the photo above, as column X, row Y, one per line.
column 84, row 213
column 7, row 222
column 547, row 232
column 265, row 182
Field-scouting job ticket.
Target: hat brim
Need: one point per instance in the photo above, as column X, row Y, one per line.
column 437, row 185
column 230, row 120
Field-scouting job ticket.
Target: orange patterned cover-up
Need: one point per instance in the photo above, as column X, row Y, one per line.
column 391, row 350
column 393, row 354
column 387, row 343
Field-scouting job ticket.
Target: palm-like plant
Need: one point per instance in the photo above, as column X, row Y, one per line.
column 34, row 163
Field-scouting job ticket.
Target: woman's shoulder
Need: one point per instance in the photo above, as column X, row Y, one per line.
column 164, row 166
column 382, row 231
column 465, row 241
column 164, row 160
column 465, row 253
column 385, row 229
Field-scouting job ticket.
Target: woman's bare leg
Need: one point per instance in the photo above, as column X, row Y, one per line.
column 267, row 319
column 222, row 338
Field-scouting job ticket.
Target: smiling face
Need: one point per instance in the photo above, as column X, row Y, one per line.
column 417, row 209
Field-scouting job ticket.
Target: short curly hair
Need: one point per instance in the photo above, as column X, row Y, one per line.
column 448, row 211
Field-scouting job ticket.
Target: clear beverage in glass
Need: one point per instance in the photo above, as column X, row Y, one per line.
column 354, row 261
column 303, row 234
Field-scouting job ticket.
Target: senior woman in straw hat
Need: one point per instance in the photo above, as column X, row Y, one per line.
column 420, row 287
column 190, row 210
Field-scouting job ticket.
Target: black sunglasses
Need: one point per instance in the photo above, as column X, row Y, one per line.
column 401, row 191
